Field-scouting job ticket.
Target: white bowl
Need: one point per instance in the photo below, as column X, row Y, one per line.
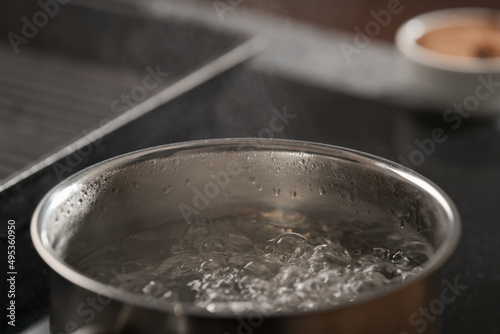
column 465, row 85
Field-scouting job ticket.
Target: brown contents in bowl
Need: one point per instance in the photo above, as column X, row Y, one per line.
column 480, row 41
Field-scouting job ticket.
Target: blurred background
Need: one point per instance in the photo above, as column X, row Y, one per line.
column 83, row 81
column 346, row 14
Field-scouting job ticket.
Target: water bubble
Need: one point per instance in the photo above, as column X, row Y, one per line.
column 387, row 269
column 287, row 242
column 185, row 268
column 261, row 268
column 300, row 251
column 319, row 241
column 210, row 265
column 381, row 252
column 399, row 258
column 332, row 253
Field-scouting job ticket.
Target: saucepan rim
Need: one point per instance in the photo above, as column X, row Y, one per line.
column 384, row 166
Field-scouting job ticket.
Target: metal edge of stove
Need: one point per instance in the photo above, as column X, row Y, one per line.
column 223, row 63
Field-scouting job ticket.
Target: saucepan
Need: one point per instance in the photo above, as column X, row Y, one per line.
column 367, row 236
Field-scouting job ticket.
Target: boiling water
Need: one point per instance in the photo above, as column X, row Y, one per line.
column 231, row 265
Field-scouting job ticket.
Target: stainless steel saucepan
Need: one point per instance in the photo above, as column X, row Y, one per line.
column 289, row 181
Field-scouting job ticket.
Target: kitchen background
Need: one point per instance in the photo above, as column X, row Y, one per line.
column 72, row 93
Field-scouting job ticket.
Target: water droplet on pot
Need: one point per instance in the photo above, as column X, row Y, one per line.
column 167, row 189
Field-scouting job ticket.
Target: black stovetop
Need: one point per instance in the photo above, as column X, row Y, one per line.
column 240, row 103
